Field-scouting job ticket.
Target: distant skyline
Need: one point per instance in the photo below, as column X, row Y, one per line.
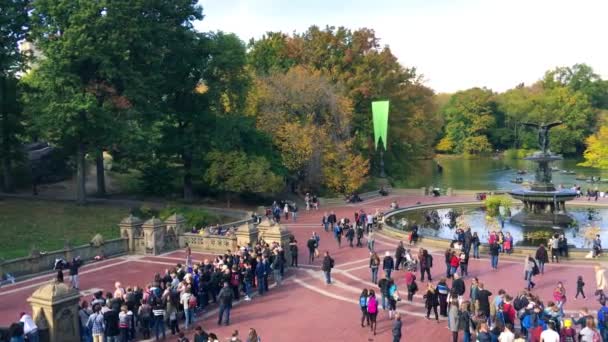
column 455, row 44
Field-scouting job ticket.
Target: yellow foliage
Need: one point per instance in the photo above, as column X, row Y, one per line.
column 445, row 145
column 596, row 154
column 297, row 143
column 344, row 171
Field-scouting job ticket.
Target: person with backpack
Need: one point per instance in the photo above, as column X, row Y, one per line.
column 410, row 282
column 384, row 284
column 590, row 333
column 328, row 264
column 372, row 310
column 393, row 297
column 568, row 333
column 363, row 305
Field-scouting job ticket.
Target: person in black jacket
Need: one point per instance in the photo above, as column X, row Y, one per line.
column 541, row 257
column 293, row 249
column 431, row 301
column 328, row 264
column 312, row 245
column 494, row 252
column 399, row 253
column 458, row 286
column 74, row 266
column 110, row 318
column 225, row 298
column 388, row 264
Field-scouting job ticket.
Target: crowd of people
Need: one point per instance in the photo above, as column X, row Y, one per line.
column 479, row 313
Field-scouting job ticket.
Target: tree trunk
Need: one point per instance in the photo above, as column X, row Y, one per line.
column 81, row 195
column 101, row 179
column 228, row 196
column 5, row 149
column 187, row 160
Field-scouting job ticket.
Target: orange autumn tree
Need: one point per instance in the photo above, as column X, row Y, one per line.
column 309, row 120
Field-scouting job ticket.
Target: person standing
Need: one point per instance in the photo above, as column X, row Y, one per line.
column 453, row 319
column 96, row 322
column 554, row 245
column 328, row 264
column 294, row 212
column 188, row 302
column 550, row 335
column 397, row 325
column 458, row 287
column 464, row 321
column 399, row 253
column 325, row 222
column 111, row 320
column 363, row 305
column 312, row 246
column 442, row 294
column 332, row 219
column 541, row 258
column 483, row 300
column 260, row 275
column 372, row 310
column 600, row 282
column 494, row 252
column 475, row 243
column 350, row 235
column 602, row 320
column 580, row 286
column 277, row 265
column 374, row 264
column 74, row 266
column 426, row 262
column 225, row 300
column 293, row 249
column 359, row 235
column 388, row 264
column 431, row 301
column 338, row 235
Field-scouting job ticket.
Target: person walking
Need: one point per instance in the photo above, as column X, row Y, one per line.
column 388, row 264
column 600, row 282
column 159, row 313
column 374, row 264
column 325, row 222
column 363, row 298
column 529, row 269
column 260, row 275
column 410, row 282
column 338, row 235
column 328, row 264
column 384, row 284
column 370, row 241
column 542, row 257
column 372, row 310
column 277, row 265
column 225, row 298
column 397, row 325
column 580, row 285
column 554, row 245
column 431, row 301
column 350, row 236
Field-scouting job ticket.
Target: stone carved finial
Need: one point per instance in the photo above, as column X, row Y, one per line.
column 97, row 240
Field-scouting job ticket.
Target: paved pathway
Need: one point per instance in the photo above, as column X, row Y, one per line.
column 304, row 308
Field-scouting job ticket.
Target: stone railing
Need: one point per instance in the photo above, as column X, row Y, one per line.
column 210, row 243
column 42, row 262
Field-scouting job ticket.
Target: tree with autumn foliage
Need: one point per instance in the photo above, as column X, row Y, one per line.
column 596, row 154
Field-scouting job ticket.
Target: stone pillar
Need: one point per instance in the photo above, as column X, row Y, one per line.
column 176, row 226
column 130, row 228
column 277, row 233
column 154, row 235
column 247, row 235
column 55, row 306
column 423, row 191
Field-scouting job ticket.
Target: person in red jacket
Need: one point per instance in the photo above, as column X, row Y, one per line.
column 508, row 309
column 454, row 263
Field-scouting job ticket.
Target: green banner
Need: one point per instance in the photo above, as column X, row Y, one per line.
column 380, row 116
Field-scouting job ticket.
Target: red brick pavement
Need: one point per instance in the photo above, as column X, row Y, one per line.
column 306, row 309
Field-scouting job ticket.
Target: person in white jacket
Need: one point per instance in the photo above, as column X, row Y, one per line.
column 600, row 281
column 30, row 330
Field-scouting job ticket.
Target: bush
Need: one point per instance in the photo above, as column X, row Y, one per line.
column 493, row 204
column 517, row 153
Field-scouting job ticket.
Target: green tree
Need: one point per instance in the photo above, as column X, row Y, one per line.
column 235, row 172
column 582, row 78
column 470, row 116
column 13, row 29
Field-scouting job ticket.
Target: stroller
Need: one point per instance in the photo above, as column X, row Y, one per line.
column 410, row 263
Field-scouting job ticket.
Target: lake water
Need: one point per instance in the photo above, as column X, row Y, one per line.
column 489, row 174
column 437, row 223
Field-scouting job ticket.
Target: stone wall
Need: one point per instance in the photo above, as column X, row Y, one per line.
column 210, row 243
column 38, row 262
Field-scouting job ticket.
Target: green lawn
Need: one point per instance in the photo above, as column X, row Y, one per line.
column 25, row 223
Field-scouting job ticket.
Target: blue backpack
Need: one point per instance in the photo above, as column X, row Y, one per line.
column 362, row 301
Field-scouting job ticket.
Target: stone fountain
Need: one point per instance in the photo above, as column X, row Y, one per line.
column 544, row 206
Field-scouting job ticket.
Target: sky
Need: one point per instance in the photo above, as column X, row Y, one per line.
column 454, row 44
